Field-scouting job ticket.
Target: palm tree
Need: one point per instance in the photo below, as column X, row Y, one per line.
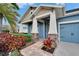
column 8, row 11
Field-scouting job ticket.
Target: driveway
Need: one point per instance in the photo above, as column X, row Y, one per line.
column 67, row 49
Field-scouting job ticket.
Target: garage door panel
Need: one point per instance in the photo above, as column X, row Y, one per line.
column 69, row 32
column 65, row 32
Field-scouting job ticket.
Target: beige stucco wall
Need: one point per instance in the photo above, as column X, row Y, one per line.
column 42, row 11
column 59, row 12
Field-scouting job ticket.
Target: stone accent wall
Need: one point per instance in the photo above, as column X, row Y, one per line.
column 35, row 37
column 54, row 37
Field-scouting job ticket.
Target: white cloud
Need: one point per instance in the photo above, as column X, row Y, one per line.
column 60, row 3
column 21, row 5
column 30, row 4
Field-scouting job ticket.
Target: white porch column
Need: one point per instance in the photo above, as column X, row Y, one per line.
column 34, row 26
column 34, row 30
column 52, row 26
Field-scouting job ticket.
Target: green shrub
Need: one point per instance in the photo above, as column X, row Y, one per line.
column 15, row 53
column 5, row 30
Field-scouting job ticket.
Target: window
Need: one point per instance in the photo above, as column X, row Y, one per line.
column 31, row 11
column 24, row 27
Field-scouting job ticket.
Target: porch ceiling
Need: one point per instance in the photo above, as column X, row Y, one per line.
column 47, row 18
column 40, row 20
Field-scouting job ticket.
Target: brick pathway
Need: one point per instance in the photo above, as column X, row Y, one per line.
column 35, row 50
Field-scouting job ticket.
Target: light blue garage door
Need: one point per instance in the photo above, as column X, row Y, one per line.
column 69, row 32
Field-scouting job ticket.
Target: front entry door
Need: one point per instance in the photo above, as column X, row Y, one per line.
column 43, row 29
column 46, row 29
column 40, row 30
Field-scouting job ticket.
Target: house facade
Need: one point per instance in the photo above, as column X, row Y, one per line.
column 4, row 25
column 51, row 21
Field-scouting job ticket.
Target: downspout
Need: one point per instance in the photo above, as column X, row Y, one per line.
column 1, row 17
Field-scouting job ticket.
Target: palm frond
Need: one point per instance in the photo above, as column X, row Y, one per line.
column 9, row 13
column 15, row 5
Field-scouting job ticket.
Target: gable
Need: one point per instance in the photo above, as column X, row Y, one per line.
column 27, row 14
column 59, row 11
column 42, row 10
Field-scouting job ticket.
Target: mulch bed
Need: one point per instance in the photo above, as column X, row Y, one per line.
column 48, row 50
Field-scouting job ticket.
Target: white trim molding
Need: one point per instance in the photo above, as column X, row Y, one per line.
column 65, row 22
column 72, row 13
column 43, row 15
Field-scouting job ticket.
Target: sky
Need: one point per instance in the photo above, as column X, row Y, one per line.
column 24, row 6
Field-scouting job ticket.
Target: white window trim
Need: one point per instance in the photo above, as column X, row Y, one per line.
column 65, row 22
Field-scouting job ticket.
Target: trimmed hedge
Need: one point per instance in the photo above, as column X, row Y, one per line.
column 22, row 34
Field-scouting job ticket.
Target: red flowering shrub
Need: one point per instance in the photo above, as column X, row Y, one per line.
column 48, row 43
column 9, row 42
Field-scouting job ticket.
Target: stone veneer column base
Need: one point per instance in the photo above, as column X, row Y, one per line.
column 54, row 37
column 35, row 37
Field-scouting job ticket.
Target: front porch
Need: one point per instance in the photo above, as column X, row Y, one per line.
column 43, row 26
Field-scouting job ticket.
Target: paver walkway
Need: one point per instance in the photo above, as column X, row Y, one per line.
column 35, row 50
